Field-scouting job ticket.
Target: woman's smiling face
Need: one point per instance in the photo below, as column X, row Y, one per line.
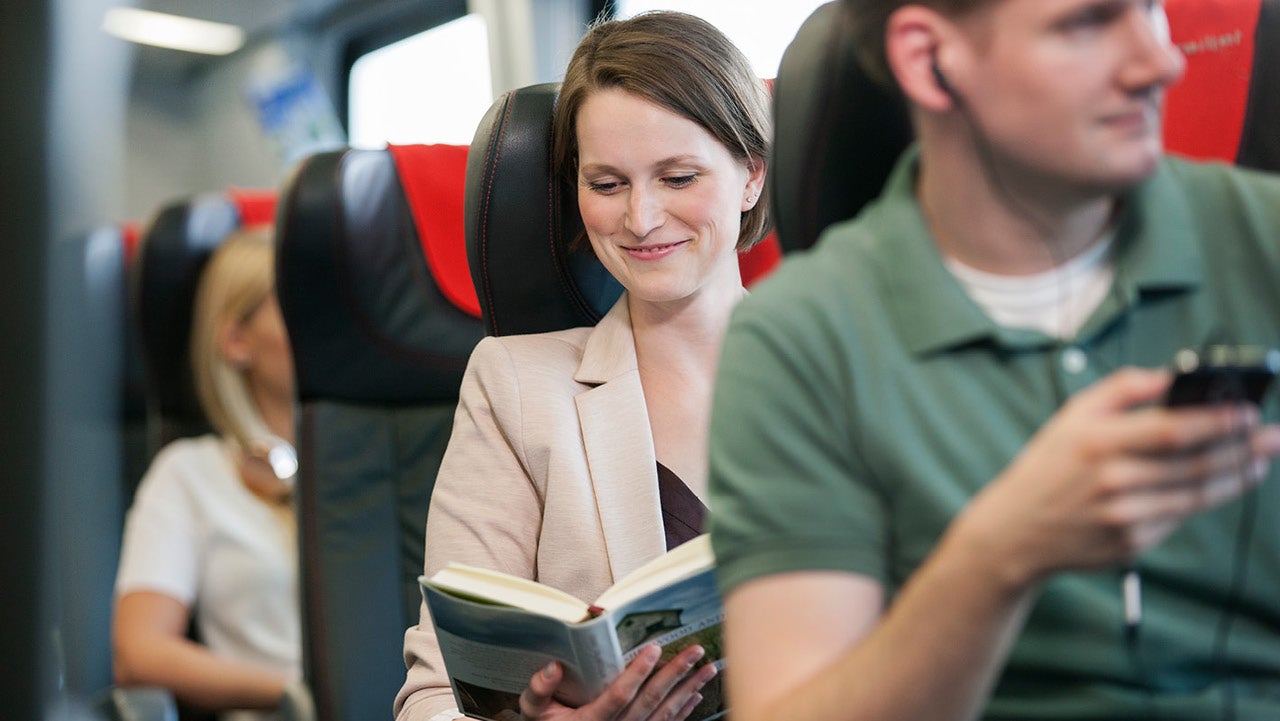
column 660, row 197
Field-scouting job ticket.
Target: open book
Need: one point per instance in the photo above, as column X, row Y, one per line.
column 495, row 630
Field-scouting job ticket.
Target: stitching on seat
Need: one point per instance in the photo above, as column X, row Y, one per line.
column 493, row 154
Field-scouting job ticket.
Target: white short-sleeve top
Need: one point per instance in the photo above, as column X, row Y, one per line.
column 195, row 532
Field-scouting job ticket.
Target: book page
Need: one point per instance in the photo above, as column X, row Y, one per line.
column 489, row 586
column 680, row 562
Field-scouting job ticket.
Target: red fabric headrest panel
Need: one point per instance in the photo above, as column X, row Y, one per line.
column 129, row 234
column 434, row 178
column 257, row 207
column 1204, row 112
column 759, row 262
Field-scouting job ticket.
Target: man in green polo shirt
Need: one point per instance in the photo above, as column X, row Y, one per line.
column 938, row 448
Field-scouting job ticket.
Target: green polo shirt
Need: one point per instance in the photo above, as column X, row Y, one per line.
column 863, row 398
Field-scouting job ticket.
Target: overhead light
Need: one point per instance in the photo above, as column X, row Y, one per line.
column 173, row 31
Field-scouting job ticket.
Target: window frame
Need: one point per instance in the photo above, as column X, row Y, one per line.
column 406, row 21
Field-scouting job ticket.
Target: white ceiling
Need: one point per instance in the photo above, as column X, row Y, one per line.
column 256, row 17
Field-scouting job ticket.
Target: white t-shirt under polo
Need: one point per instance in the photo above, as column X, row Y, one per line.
column 1055, row 302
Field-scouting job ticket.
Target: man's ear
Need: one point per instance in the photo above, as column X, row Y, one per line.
column 916, row 42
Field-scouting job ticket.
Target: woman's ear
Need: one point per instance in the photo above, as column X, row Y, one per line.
column 232, row 345
column 756, row 169
column 915, row 38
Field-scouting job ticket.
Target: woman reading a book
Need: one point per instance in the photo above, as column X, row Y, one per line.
column 211, row 530
column 574, row 452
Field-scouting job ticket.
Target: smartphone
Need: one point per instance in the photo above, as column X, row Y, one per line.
column 1222, row 374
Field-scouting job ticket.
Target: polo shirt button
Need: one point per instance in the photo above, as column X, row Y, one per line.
column 1074, row 360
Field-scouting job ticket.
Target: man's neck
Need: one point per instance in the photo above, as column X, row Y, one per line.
column 1006, row 225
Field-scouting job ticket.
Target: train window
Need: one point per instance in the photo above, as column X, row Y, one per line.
column 761, row 28
column 395, row 92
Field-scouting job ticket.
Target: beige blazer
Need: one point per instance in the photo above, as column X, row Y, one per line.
column 550, row 474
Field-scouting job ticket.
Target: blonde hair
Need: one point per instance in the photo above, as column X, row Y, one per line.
column 235, row 282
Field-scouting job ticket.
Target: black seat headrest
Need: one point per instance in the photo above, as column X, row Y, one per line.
column 171, row 254
column 109, row 258
column 837, row 133
column 520, row 224
column 364, row 324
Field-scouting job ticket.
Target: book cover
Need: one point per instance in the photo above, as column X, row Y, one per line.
column 491, row 648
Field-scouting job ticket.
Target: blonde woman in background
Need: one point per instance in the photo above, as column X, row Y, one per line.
column 212, row 529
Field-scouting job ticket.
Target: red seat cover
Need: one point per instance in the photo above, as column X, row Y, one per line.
column 434, row 179
column 1205, row 111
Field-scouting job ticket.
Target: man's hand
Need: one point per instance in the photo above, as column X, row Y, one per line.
column 1114, row 473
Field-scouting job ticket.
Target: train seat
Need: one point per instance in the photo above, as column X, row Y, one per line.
column 1227, row 105
column 378, row 303
column 520, row 227
column 106, row 255
column 171, row 254
column 134, row 403
column 92, row 317
column 838, row 134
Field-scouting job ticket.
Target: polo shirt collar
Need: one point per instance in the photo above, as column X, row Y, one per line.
column 1158, row 249
column 1155, row 250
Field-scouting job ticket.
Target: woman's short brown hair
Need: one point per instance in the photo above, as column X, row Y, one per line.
column 684, row 64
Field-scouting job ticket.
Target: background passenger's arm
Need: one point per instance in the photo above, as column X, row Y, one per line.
column 151, row 649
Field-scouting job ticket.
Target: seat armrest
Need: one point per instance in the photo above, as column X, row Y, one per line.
column 297, row 703
column 140, row 703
